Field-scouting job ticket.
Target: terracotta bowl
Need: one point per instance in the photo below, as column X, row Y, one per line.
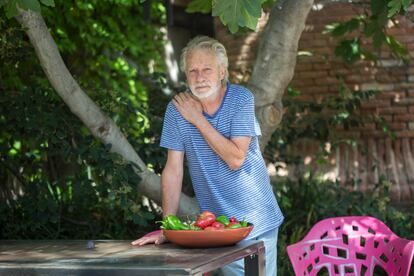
column 203, row 238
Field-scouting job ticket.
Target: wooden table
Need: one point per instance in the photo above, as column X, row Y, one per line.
column 69, row 257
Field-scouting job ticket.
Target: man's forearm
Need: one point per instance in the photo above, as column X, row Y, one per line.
column 171, row 182
column 228, row 151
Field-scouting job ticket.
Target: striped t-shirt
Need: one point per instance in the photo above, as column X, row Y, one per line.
column 242, row 193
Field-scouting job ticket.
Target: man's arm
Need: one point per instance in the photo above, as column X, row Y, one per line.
column 232, row 151
column 171, row 182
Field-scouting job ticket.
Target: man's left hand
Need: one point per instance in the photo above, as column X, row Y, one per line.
column 189, row 106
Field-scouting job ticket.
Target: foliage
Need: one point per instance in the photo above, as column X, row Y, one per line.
column 318, row 121
column 371, row 24
column 57, row 180
column 307, row 200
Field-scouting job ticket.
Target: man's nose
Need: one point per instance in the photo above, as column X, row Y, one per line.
column 199, row 76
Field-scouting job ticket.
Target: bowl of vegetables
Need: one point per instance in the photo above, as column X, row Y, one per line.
column 207, row 231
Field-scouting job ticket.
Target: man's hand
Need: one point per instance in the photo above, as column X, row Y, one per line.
column 189, row 106
column 153, row 237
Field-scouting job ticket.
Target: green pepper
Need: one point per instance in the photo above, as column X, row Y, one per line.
column 234, row 226
column 172, row 222
column 223, row 219
column 243, row 223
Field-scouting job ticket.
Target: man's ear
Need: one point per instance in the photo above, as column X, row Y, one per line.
column 222, row 72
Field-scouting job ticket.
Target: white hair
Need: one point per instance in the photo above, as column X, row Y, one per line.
column 205, row 42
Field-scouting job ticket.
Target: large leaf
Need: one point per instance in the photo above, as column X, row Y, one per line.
column 238, row 13
column 203, row 6
column 50, row 3
column 33, row 5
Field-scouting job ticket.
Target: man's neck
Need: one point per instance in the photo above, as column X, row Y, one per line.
column 212, row 103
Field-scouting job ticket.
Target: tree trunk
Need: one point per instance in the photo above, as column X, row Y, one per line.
column 275, row 62
column 101, row 126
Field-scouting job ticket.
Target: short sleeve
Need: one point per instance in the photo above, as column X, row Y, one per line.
column 244, row 122
column 170, row 136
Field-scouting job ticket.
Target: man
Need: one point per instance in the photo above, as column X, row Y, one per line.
column 215, row 128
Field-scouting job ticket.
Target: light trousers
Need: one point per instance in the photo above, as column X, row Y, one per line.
column 270, row 242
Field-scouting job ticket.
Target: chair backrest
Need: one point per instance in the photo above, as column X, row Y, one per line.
column 352, row 245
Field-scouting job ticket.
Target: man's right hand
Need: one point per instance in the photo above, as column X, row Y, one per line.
column 156, row 237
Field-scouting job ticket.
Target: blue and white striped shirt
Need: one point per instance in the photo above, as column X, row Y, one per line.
column 242, row 193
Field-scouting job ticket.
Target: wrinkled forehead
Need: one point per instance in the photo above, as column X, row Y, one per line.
column 201, row 56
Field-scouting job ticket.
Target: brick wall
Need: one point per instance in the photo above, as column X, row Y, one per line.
column 319, row 75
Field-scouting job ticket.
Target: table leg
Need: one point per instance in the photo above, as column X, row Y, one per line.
column 255, row 264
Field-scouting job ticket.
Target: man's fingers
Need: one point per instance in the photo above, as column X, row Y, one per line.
column 144, row 240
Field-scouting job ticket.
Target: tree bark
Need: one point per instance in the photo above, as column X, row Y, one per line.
column 275, row 63
column 101, row 126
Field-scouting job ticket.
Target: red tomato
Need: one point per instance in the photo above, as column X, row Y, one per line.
column 218, row 225
column 206, row 214
column 203, row 222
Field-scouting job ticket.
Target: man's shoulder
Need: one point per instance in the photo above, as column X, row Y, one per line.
column 240, row 92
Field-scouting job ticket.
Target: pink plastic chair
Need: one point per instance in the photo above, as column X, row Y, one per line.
column 351, row 246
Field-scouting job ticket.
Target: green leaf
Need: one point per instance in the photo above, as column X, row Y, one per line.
column 238, row 13
column 29, row 5
column 394, row 7
column 203, row 6
column 50, row 3
column 406, row 4
column 339, row 29
column 11, row 9
column 396, row 47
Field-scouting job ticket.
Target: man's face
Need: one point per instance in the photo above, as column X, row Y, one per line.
column 204, row 73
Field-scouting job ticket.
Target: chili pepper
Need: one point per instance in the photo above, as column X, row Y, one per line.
column 233, row 225
column 243, row 223
column 172, row 222
column 223, row 219
column 233, row 219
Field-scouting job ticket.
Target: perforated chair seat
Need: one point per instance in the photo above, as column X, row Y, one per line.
column 353, row 245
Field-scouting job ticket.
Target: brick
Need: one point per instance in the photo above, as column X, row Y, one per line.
column 314, row 74
column 394, row 96
column 406, row 101
column 397, row 126
column 327, row 80
column 404, row 118
column 316, row 89
column 392, row 110
column 376, row 104
column 387, row 118
column 321, row 66
column 304, row 66
column 410, row 109
column 300, row 82
column 405, row 133
column 411, row 125
column 377, row 86
column 390, row 63
column 411, row 78
column 405, row 85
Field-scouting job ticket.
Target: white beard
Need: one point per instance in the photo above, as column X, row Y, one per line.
column 213, row 90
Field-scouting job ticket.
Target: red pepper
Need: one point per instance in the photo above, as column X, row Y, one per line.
column 205, row 219
column 233, row 219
